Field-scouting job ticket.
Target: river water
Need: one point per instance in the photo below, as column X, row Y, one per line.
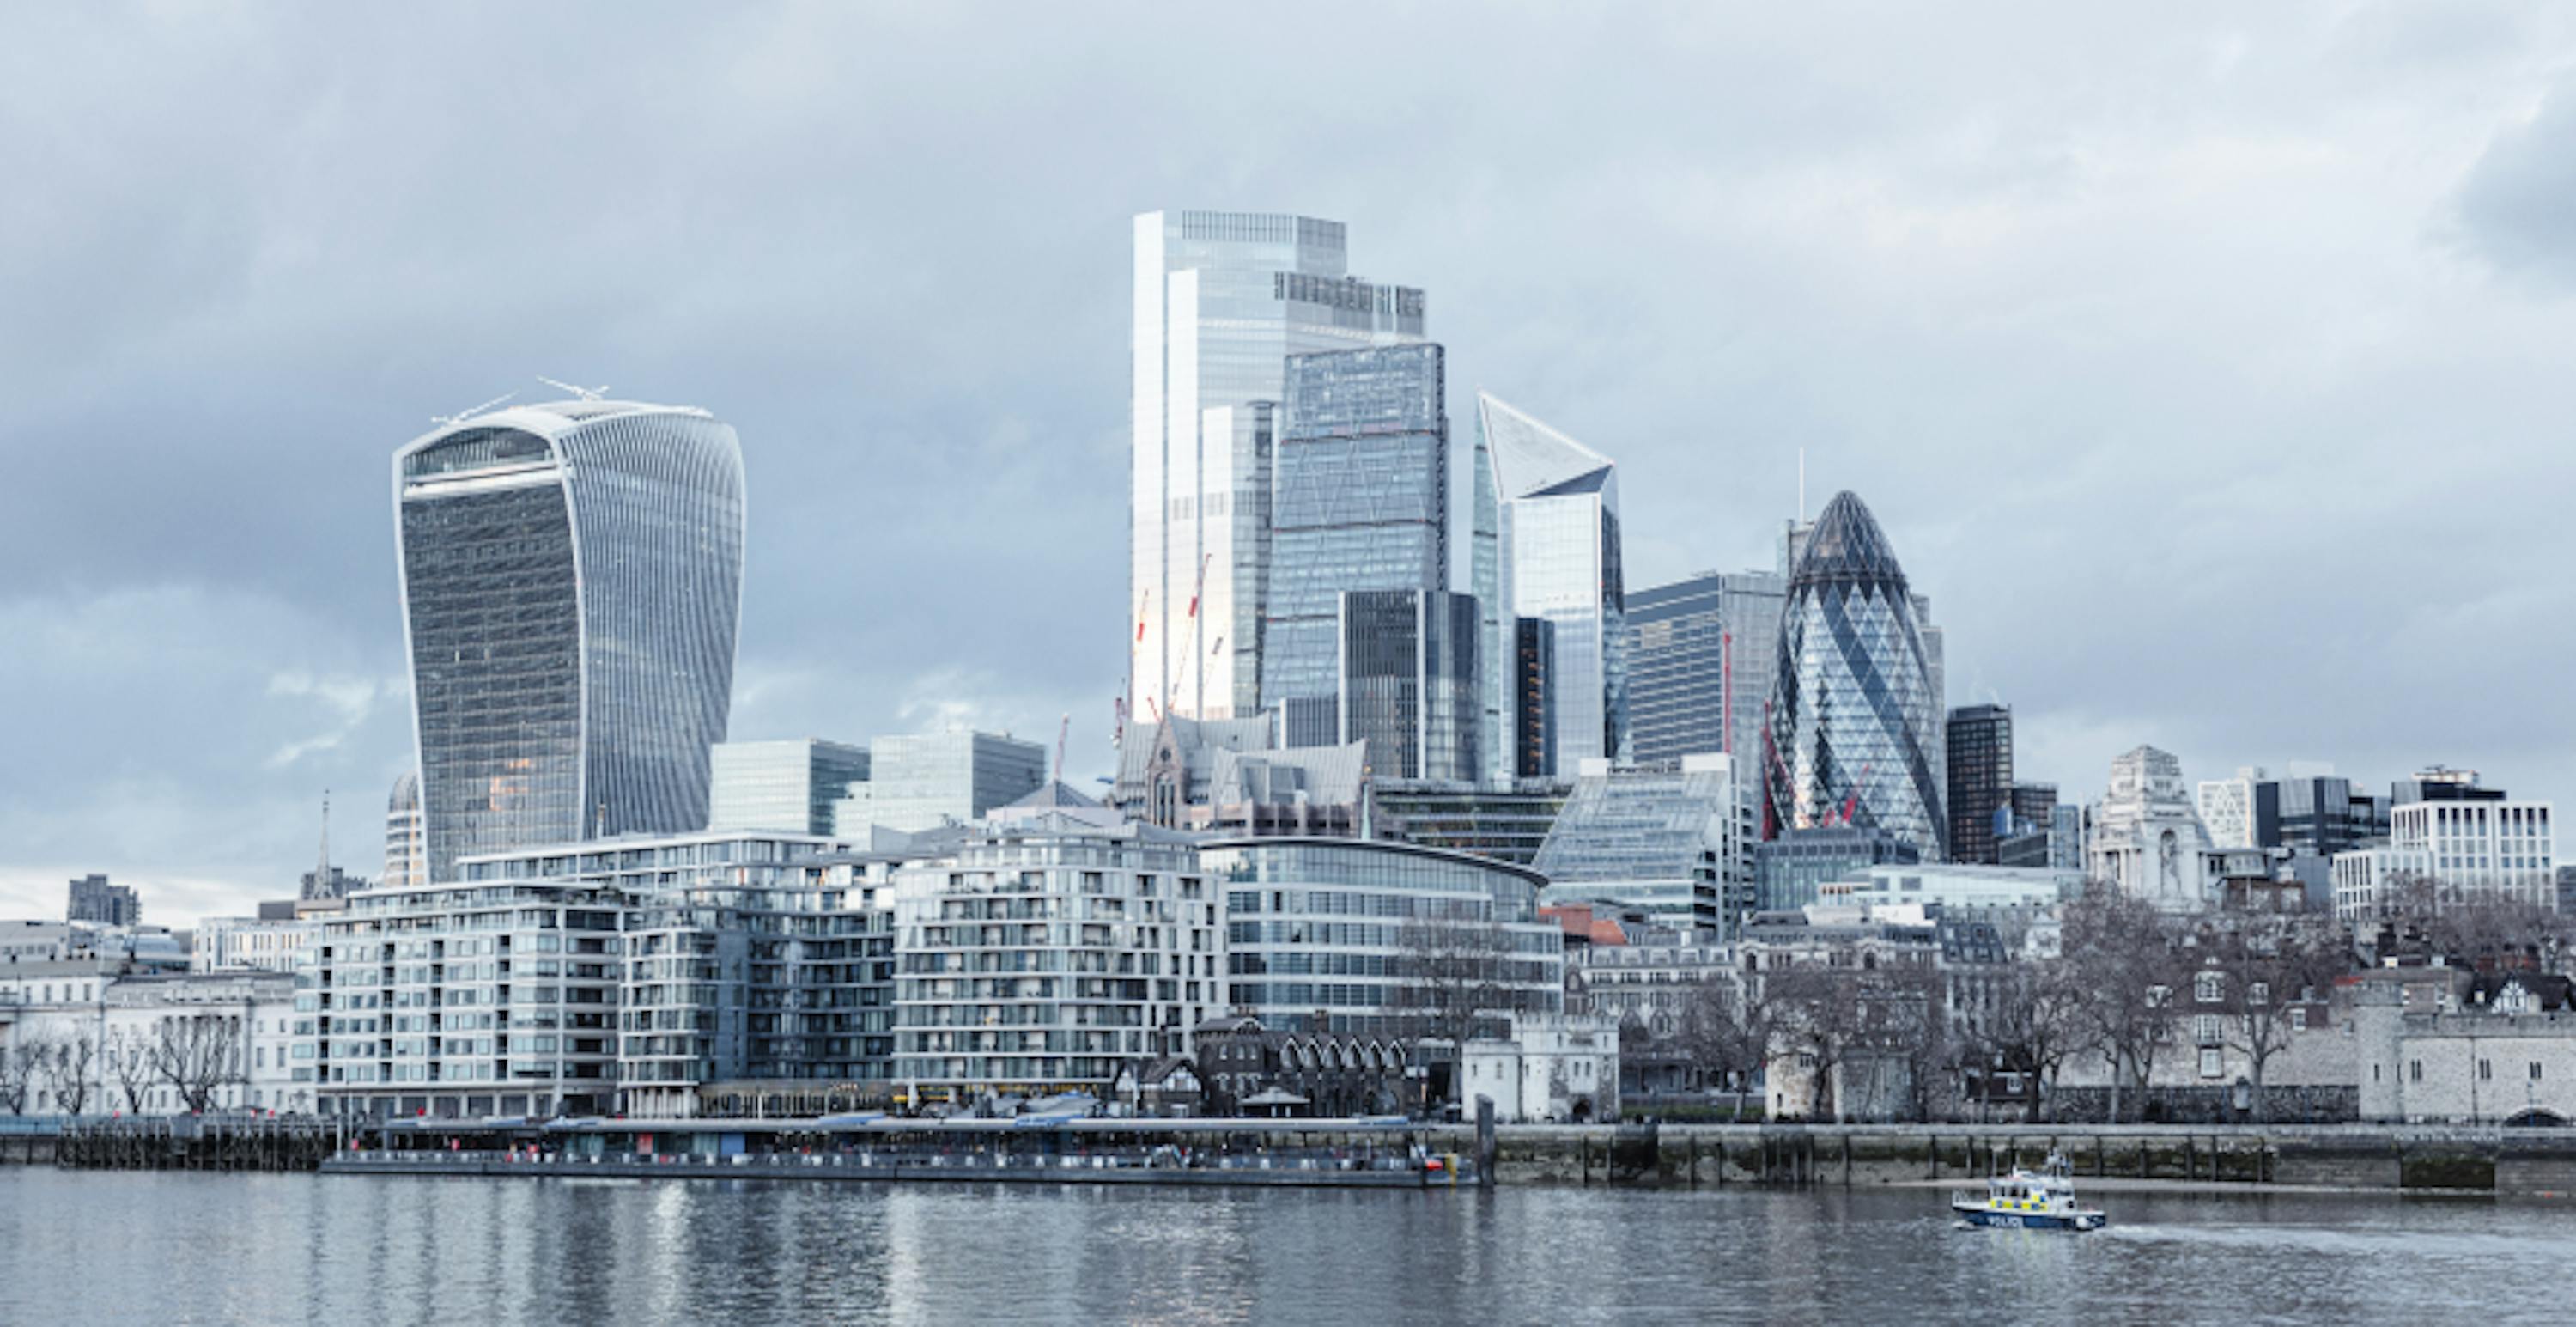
column 184, row 1248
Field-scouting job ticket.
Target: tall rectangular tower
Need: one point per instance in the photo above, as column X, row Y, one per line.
column 1221, row 300
column 1699, row 669
column 1408, row 683
column 1359, row 503
column 1980, row 756
column 1547, row 547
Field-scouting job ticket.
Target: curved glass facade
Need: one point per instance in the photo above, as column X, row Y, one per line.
column 572, row 579
column 1855, row 715
column 1341, row 930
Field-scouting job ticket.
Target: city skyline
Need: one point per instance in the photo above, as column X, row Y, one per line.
column 1937, row 318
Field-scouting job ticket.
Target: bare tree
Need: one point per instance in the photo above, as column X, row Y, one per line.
column 197, row 1055
column 129, row 1062
column 1455, row 976
column 2269, row 969
column 69, row 1066
column 2037, row 1020
column 1820, row 1020
column 1730, row 1028
column 2123, row 950
column 17, row 1072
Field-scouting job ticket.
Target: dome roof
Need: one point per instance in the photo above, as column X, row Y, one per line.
column 1847, row 547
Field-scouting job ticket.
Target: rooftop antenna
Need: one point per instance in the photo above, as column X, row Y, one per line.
column 585, row 393
column 462, row 415
column 322, row 868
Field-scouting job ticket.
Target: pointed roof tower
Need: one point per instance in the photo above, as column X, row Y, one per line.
column 1848, row 548
column 1533, row 460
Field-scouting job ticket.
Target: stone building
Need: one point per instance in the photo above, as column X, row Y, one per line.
column 2146, row 836
column 1554, row 1069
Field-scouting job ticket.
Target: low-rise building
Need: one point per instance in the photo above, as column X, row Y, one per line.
column 1552, row 1069
column 2504, row 1053
column 1380, row 938
column 79, row 1038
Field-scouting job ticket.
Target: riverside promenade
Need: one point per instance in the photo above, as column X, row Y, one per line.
column 2527, row 1162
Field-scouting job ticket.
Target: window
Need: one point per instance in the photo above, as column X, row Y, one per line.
column 2415, row 1071
column 2205, row 1030
column 2209, row 1062
column 2535, row 1071
column 2205, row 987
column 2486, row 1071
column 2299, row 1019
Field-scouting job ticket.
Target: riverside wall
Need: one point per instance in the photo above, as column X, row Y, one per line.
column 2514, row 1162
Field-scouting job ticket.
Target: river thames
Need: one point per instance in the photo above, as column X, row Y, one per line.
column 107, row 1247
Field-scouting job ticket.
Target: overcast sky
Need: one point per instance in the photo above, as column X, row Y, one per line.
column 2209, row 365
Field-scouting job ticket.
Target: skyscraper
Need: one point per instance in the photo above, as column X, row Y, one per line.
column 1221, row 300
column 1408, row 683
column 1980, row 754
column 1547, row 546
column 1700, row 653
column 1854, row 718
column 571, row 586
column 1359, row 502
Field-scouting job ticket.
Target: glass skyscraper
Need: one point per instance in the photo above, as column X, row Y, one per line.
column 1855, row 722
column 571, row 586
column 1408, row 683
column 1546, row 542
column 1700, row 653
column 1979, row 748
column 1221, row 300
column 1359, row 502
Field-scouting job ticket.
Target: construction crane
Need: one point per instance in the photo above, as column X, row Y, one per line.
column 1062, row 730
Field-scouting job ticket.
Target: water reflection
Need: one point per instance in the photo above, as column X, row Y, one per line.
column 269, row 1249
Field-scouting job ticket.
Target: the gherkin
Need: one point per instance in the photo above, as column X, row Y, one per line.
column 1854, row 721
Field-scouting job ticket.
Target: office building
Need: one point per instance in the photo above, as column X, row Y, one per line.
column 1855, row 724
column 1408, row 683
column 571, row 579
column 1047, row 954
column 1790, row 872
column 1381, row 939
column 1700, row 655
column 253, row 944
column 94, row 900
column 1546, row 539
column 787, row 787
column 921, row 781
column 1672, row 844
column 2227, row 808
column 2146, row 839
column 1504, row 824
column 1530, row 705
column 1359, row 502
column 1979, row 749
column 2449, row 852
column 2317, row 815
column 1222, row 299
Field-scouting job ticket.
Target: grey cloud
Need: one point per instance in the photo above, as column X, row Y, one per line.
column 2518, row 205
column 2124, row 323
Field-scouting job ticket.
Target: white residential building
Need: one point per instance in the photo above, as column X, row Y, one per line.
column 1049, row 953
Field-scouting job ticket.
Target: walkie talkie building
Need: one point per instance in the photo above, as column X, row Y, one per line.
column 1855, row 718
column 571, row 588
